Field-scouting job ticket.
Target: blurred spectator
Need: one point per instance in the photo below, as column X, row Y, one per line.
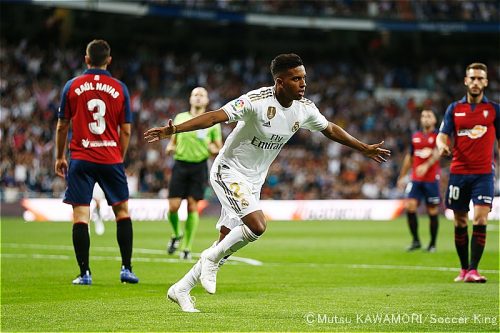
column 353, row 95
column 422, row 10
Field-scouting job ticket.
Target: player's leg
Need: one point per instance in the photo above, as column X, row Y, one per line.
column 113, row 182
column 81, row 243
column 177, row 190
column 413, row 192
column 79, row 194
column 190, row 228
column 458, row 195
column 433, row 200
column 173, row 218
column 482, row 198
column 196, row 183
column 433, row 212
column 237, row 198
column 125, row 239
column 180, row 291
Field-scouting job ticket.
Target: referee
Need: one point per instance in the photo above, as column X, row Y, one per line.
column 190, row 172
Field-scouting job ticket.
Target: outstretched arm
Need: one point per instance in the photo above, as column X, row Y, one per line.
column 336, row 133
column 204, row 120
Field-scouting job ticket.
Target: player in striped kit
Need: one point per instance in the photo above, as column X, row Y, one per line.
column 267, row 118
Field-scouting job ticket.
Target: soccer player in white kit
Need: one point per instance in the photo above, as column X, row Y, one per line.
column 267, row 118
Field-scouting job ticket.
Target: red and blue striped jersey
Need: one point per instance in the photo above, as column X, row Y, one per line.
column 474, row 128
column 97, row 104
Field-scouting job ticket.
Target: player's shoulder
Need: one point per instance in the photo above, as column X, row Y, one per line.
column 260, row 94
column 306, row 101
column 307, row 105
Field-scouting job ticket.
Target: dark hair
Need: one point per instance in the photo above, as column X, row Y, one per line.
column 477, row 65
column 284, row 62
column 98, row 51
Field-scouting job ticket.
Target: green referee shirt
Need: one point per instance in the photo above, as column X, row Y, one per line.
column 193, row 146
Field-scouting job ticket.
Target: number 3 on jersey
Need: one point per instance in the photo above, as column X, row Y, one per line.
column 453, row 193
column 99, row 125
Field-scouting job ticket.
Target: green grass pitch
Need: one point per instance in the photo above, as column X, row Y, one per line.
column 315, row 276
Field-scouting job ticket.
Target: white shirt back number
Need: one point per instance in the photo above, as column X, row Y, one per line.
column 99, row 125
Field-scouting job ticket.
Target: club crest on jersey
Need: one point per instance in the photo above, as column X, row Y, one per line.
column 295, row 127
column 485, row 113
column 271, row 112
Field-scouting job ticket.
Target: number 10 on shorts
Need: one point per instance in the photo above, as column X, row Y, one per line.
column 453, row 193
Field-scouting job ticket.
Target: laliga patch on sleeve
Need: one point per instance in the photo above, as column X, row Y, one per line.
column 238, row 105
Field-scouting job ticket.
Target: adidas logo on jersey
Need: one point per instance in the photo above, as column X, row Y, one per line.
column 267, row 124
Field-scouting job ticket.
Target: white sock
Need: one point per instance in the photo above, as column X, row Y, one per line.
column 236, row 239
column 191, row 278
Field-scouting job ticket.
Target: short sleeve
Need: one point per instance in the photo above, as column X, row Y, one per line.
column 315, row 121
column 447, row 125
column 126, row 104
column 238, row 109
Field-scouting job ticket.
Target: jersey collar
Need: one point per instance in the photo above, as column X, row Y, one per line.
column 464, row 99
column 97, row 71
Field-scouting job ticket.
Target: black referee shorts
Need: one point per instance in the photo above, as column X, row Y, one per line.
column 188, row 180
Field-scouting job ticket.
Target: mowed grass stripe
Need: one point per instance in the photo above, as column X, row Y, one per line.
column 325, row 268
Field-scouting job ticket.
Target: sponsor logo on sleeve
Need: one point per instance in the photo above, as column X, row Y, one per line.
column 238, row 105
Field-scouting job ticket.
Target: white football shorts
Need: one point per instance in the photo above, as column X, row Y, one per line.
column 236, row 194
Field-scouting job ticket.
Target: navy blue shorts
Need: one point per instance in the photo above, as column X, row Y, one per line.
column 462, row 188
column 428, row 191
column 82, row 176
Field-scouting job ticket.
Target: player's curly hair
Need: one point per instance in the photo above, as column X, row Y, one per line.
column 98, row 51
column 284, row 62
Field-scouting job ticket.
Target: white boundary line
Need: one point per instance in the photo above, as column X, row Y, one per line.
column 233, row 259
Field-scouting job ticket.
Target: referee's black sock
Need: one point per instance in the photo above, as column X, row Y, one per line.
column 478, row 241
column 81, row 244
column 413, row 225
column 462, row 246
column 124, row 236
column 434, row 224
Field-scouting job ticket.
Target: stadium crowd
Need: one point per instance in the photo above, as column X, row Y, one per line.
column 364, row 98
column 407, row 10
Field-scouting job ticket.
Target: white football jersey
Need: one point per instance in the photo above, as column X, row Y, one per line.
column 264, row 126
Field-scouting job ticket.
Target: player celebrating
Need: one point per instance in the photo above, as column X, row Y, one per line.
column 473, row 122
column 98, row 106
column 267, row 118
column 190, row 172
column 423, row 159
